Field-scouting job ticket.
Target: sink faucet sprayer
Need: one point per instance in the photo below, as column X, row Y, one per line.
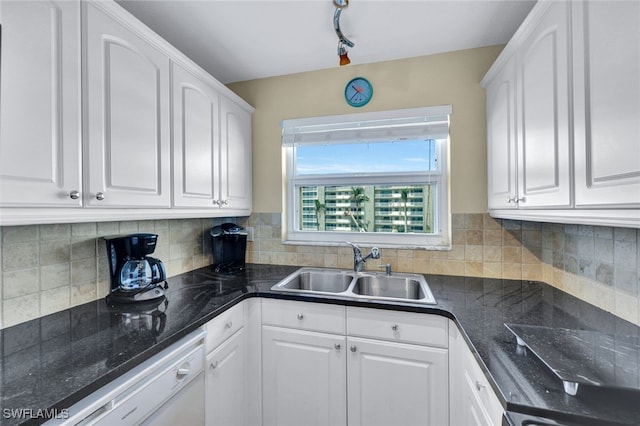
column 358, row 260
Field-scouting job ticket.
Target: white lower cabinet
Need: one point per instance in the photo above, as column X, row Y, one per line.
column 393, row 383
column 225, row 391
column 303, row 380
column 225, row 369
column 362, row 367
column 473, row 401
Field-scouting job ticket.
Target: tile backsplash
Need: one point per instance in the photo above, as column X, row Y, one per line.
column 47, row 268
column 598, row 264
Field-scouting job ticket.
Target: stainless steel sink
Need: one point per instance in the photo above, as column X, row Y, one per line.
column 316, row 281
column 359, row 285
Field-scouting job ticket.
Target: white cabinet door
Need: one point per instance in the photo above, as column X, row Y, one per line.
column 226, row 402
column 396, row 384
column 40, row 144
column 501, row 139
column 235, row 155
column 544, row 150
column 196, row 139
column 127, row 112
column 303, row 378
column 472, row 400
column 607, row 103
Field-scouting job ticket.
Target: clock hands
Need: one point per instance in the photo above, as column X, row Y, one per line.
column 357, row 89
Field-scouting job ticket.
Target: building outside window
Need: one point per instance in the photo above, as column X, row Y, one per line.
column 372, row 178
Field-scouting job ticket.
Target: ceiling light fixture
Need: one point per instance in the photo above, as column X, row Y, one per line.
column 343, row 42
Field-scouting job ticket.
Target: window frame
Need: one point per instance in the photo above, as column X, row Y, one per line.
column 440, row 240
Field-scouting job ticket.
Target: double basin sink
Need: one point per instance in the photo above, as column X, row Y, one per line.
column 358, row 285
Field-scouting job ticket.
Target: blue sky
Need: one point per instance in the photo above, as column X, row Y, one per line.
column 402, row 156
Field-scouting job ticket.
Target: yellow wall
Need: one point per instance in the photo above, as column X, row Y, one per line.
column 449, row 78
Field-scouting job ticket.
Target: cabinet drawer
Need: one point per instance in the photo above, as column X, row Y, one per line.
column 304, row 315
column 397, row 326
column 224, row 325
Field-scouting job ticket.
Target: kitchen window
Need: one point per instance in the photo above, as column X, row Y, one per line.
column 370, row 178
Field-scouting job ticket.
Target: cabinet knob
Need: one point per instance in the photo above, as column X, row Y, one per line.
column 395, row 327
column 228, row 325
column 100, row 196
column 337, row 346
column 479, row 386
column 74, row 195
column 213, row 365
column 300, row 316
column 183, row 371
column 353, row 348
column 520, row 200
column 225, row 202
column 511, row 200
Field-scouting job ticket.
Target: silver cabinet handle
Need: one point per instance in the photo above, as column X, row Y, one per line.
column 395, row 327
column 353, row 348
column 213, row 365
column 479, row 386
column 337, row 346
column 74, row 195
column 100, row 196
column 228, row 325
column 300, row 316
column 183, row 371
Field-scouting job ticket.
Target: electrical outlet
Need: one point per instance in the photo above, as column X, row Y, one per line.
column 250, row 231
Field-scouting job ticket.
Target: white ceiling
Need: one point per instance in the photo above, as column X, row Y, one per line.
column 237, row 40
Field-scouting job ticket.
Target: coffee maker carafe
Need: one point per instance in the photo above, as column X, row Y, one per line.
column 135, row 277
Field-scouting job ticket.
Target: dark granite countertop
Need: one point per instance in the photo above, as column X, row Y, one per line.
column 55, row 361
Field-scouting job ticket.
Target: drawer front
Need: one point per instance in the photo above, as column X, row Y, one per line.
column 304, row 315
column 224, row 326
column 407, row 327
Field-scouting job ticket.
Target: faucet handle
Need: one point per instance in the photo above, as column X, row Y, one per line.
column 355, row 246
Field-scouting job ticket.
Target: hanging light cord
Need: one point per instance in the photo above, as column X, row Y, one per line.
column 336, row 26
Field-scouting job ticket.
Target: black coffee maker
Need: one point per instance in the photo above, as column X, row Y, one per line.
column 229, row 245
column 135, row 277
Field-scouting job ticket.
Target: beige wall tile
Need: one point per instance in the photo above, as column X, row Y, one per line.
column 55, row 275
column 17, row 256
column 55, row 300
column 21, row 283
column 20, row 309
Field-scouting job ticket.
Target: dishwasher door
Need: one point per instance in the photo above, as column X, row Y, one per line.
column 186, row 408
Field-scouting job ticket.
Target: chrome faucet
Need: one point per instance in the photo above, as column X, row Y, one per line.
column 358, row 260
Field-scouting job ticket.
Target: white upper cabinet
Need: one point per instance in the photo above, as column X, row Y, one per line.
column 576, row 109
column 235, row 157
column 607, row 103
column 98, row 111
column 127, row 114
column 40, row 152
column 501, row 130
column 196, row 139
column 544, row 151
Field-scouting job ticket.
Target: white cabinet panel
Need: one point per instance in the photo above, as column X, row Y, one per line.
column 501, row 135
column 226, row 401
column 304, row 378
column 607, row 103
column 235, row 156
column 127, row 111
column 393, row 383
column 40, row 144
column 196, row 140
column 544, row 168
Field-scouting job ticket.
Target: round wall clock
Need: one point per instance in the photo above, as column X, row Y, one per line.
column 358, row 92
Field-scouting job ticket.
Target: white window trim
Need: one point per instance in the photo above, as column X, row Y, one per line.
column 440, row 240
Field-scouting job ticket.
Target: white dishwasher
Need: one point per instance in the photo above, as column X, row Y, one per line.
column 167, row 389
